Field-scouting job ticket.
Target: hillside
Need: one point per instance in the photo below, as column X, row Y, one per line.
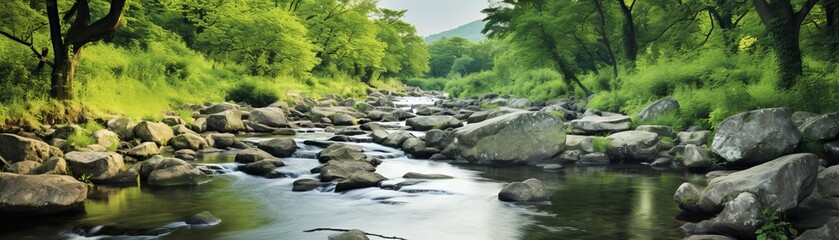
column 471, row 31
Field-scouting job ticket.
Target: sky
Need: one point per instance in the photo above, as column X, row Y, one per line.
column 434, row 16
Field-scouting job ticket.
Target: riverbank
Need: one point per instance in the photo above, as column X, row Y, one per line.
column 364, row 151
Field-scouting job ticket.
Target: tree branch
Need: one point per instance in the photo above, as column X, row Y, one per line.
column 802, row 14
column 38, row 55
column 347, row 230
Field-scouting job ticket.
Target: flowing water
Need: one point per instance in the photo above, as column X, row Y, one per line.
column 615, row 202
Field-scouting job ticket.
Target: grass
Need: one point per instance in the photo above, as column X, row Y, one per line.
column 601, row 144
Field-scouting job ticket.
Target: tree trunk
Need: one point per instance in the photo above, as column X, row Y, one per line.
column 605, row 37
column 783, row 25
column 630, row 41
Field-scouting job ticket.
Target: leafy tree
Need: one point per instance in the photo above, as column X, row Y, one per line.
column 783, row 24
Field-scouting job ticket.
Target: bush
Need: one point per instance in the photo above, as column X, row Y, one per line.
column 251, row 94
column 601, row 144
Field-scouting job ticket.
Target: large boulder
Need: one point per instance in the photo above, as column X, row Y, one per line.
column 98, row 165
column 359, row 179
column 828, row 182
column 779, row 184
column 415, row 147
column 279, row 147
column 514, row 138
column 176, row 172
column 106, row 138
column 23, row 167
column 343, row 119
column 754, row 137
column 591, row 124
column 425, row 123
column 189, row 141
column 824, row 127
column 144, row 150
column 633, row 146
column 438, row 138
column 530, row 190
column 740, row 218
column 395, row 139
column 40, row 194
column 228, row 121
column 14, row 148
column 222, row 140
column 334, row 170
column 158, row 133
column 352, row 234
column 250, row 155
column 269, row 116
column 123, row 127
column 341, row 152
column 54, row 165
column 658, row 108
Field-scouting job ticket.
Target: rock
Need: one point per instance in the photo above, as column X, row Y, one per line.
column 23, row 167
column 181, row 129
column 739, row 218
column 779, row 184
column 596, row 124
column 285, row 132
column 256, row 127
column 199, row 125
column 708, row 237
column 658, row 108
column 828, row 182
column 185, row 154
column 593, row 159
column 519, row 103
column 341, row 152
column 697, row 138
column 830, row 231
column 279, row 147
column 426, row 176
column 687, row 197
column 250, row 155
column 531, row 190
column 515, row 138
column 144, row 150
column 55, row 165
column 14, row 148
column 176, row 172
column 438, row 138
column 395, row 139
column 755, row 137
column 334, row 170
column 633, row 146
column 798, row 118
column 262, row 167
column 344, row 120
column 379, row 135
column 414, row 146
column 697, row 157
column 158, row 133
column 123, row 127
column 662, row 131
column 189, row 141
column 353, row 234
column 98, row 165
column 221, row 107
column 269, row 116
column 305, row 184
column 204, row 218
column 719, row 173
column 223, row 140
column 824, row 127
column 359, row 179
column 425, row 123
column 66, row 131
column 551, row 167
column 429, row 110
column 228, row 121
column 106, row 138
column 29, row 195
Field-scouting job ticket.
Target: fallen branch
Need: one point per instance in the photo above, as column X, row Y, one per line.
column 347, row 230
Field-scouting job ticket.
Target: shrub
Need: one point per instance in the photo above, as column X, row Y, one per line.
column 251, row 94
column 774, row 227
column 601, row 144
column 80, row 139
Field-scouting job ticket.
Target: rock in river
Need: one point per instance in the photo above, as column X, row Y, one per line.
column 98, row 165
column 15, row 148
column 158, row 133
column 425, row 123
column 359, row 179
column 633, row 145
column 353, row 234
column 531, row 190
column 279, row 147
column 40, row 194
column 228, row 121
column 176, row 172
column 514, row 138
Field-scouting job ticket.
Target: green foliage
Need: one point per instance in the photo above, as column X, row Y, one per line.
column 85, row 178
column 774, row 227
column 559, row 114
column 667, row 140
column 255, row 96
column 601, row 144
column 80, row 139
column 438, row 84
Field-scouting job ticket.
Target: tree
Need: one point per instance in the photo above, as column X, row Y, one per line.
column 630, row 42
column 67, row 46
column 783, row 24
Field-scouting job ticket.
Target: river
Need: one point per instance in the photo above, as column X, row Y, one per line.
column 614, row 202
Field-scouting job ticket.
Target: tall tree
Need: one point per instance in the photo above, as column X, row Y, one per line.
column 630, row 41
column 783, row 24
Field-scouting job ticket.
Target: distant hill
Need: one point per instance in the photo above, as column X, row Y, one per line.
column 471, row 31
